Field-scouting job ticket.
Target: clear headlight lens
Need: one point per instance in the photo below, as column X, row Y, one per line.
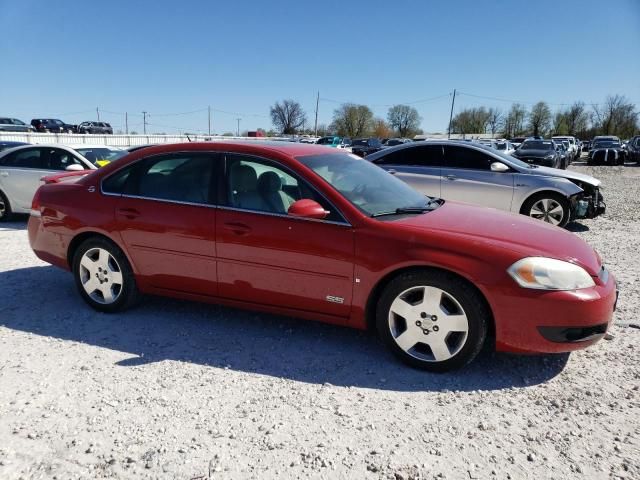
column 543, row 273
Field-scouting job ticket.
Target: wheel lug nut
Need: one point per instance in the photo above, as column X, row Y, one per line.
column 436, row 328
column 423, row 315
column 418, row 323
column 426, row 332
column 434, row 318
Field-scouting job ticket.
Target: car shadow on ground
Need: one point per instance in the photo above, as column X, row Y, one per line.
column 16, row 222
column 577, row 227
column 164, row 329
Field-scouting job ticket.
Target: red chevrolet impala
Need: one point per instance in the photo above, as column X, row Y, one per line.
column 311, row 232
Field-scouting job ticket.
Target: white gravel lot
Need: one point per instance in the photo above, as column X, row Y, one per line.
column 182, row 390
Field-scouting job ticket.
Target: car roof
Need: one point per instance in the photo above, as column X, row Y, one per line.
column 88, row 145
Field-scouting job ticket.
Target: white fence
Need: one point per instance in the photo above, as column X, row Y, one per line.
column 111, row 140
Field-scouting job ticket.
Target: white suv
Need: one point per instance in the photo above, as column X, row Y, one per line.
column 573, row 145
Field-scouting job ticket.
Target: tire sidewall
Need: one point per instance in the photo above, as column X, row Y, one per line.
column 129, row 291
column 7, row 208
column 472, row 305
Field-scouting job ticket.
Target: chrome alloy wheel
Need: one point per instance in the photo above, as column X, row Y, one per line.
column 428, row 323
column 547, row 209
column 3, row 207
column 101, row 276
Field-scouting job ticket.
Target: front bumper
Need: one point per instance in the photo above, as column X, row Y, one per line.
column 589, row 204
column 554, row 321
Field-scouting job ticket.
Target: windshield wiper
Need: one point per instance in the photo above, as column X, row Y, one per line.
column 431, row 205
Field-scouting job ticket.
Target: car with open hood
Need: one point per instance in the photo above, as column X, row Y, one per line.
column 320, row 234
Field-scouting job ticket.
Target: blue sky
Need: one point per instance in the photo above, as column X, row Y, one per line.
column 67, row 58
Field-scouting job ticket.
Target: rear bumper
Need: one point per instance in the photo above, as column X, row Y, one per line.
column 554, row 322
column 48, row 246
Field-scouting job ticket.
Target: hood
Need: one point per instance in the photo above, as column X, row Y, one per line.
column 568, row 174
column 483, row 228
column 534, row 153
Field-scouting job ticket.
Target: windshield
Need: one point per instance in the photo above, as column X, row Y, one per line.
column 537, row 145
column 393, row 142
column 501, row 146
column 606, row 144
column 100, row 154
column 325, row 141
column 371, row 189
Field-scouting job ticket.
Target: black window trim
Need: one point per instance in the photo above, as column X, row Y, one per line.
column 290, row 172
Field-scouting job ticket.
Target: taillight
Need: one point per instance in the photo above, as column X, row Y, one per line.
column 35, row 204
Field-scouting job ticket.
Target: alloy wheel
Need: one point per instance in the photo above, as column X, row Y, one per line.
column 428, row 323
column 3, row 207
column 101, row 276
column 547, row 209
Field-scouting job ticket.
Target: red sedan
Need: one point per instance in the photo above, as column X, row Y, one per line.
column 310, row 232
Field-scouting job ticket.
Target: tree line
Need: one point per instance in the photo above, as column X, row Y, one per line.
column 349, row 120
column 616, row 116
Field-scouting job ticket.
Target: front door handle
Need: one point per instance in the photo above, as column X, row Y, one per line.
column 4, row 173
column 129, row 213
column 392, row 171
column 450, row 177
column 237, row 228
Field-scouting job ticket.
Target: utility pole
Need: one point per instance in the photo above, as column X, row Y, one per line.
column 315, row 128
column 209, row 117
column 126, row 123
column 144, row 122
column 98, row 113
column 453, row 102
column 238, row 131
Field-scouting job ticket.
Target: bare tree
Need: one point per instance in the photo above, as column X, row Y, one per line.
column 470, row 121
column 404, row 119
column 381, row 129
column 352, row 120
column 540, row 119
column 617, row 116
column 513, row 125
column 494, row 120
column 287, row 116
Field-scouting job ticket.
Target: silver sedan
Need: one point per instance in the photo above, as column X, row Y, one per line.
column 472, row 173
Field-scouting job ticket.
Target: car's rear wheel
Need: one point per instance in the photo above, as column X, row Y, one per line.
column 549, row 207
column 103, row 276
column 5, row 208
column 432, row 320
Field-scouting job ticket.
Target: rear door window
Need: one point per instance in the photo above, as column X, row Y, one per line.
column 418, row 156
column 28, row 158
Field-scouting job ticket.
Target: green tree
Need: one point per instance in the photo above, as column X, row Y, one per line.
column 352, row 120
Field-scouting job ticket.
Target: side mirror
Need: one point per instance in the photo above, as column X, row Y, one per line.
column 499, row 167
column 307, row 208
column 74, row 167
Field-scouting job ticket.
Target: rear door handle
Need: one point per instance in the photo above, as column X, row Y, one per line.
column 129, row 213
column 237, row 228
column 450, row 177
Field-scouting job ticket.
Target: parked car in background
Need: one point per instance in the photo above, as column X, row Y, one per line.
column 8, row 124
column 95, row 128
column 334, row 141
column 22, row 168
column 565, row 155
column 505, row 146
column 304, row 231
column 392, row 142
column 472, row 173
column 573, row 147
column 7, row 145
column 365, row 146
column 606, row 150
column 517, row 141
column 99, row 155
column 488, row 142
column 633, row 149
column 539, row 152
column 586, row 145
column 52, row 125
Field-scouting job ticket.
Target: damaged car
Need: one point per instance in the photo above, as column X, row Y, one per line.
column 472, row 173
column 606, row 150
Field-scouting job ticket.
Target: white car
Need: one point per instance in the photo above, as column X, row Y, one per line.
column 573, row 145
column 505, row 146
column 22, row 168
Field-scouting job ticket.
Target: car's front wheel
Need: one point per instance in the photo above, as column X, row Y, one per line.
column 432, row 320
column 5, row 208
column 104, row 276
column 549, row 207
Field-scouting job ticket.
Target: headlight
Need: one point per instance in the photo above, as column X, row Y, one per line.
column 542, row 273
column 549, row 157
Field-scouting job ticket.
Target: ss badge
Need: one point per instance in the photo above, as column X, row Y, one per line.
column 333, row 299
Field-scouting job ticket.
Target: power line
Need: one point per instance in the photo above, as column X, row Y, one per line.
column 508, row 100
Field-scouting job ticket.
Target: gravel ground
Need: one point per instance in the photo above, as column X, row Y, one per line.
column 182, row 390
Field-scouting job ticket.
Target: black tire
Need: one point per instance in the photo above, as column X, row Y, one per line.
column 127, row 295
column 471, row 302
column 556, row 197
column 5, row 208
